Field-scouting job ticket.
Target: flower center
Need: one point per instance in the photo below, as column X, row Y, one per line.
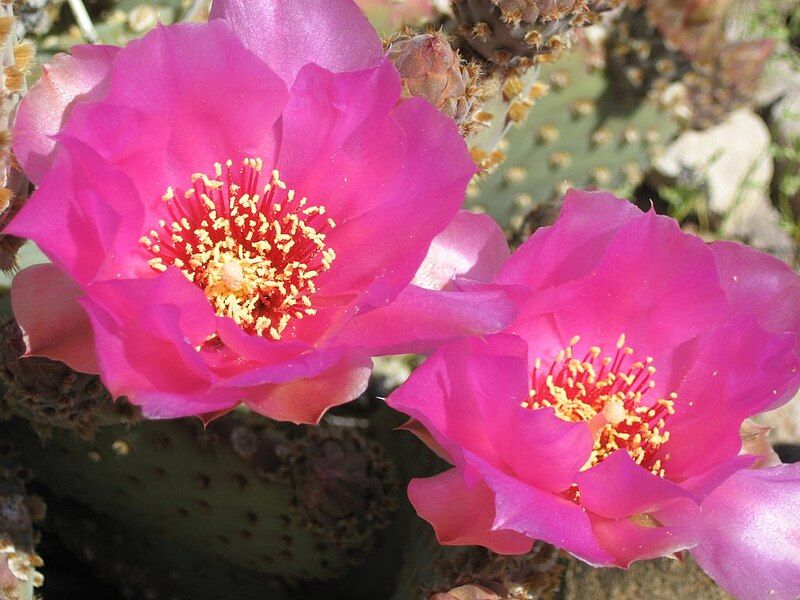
column 255, row 251
column 610, row 396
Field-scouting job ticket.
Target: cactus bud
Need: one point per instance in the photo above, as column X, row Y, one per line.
column 431, row 69
column 49, row 392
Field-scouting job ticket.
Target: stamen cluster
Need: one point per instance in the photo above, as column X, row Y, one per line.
column 255, row 251
column 610, row 396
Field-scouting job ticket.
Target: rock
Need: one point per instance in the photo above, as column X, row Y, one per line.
column 663, row 579
column 726, row 157
column 785, row 114
column 733, row 162
column 781, row 77
column 756, row 222
column 785, row 422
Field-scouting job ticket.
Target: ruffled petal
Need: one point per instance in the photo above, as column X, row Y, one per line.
column 472, row 246
column 219, row 100
column 750, row 541
column 463, row 516
column 305, row 401
column 385, row 246
column 417, row 429
column 440, row 395
column 53, row 323
column 339, row 145
column 536, row 446
column 65, row 79
column 134, row 142
column 570, row 248
column 663, row 533
column 86, row 216
column 653, row 283
column 541, row 515
column 420, row 319
column 759, row 284
column 617, row 488
column 540, row 448
column 288, row 34
column 719, row 385
column 146, row 332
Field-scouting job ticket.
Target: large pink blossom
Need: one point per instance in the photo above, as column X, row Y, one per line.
column 237, row 211
column 606, row 420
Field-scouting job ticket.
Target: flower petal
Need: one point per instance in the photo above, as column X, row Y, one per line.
column 653, row 283
column 759, row 284
column 219, row 100
column 751, row 538
column 663, row 533
column 65, row 79
column 305, row 401
column 721, row 385
column 54, row 324
column 385, row 246
column 288, row 34
column 439, row 394
column 463, row 516
column 617, row 488
column 339, row 144
column 146, row 331
column 569, row 249
column 541, row 515
column 420, row 319
column 135, row 143
column 535, row 445
column 85, row 216
column 472, row 246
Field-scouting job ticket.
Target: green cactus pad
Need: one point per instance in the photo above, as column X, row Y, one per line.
column 226, row 492
column 578, row 135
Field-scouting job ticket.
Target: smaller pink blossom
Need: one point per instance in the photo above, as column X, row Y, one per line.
column 606, row 419
column 244, row 210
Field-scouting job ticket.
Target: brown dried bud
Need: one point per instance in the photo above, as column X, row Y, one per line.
column 693, row 27
column 726, row 81
column 431, row 69
column 47, row 391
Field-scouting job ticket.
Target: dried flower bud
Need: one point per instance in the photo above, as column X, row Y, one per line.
column 693, row 27
column 726, row 81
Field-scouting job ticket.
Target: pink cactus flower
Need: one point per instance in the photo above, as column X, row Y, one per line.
column 606, row 419
column 243, row 211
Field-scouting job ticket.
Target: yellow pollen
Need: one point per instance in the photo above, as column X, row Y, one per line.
column 253, row 249
column 610, row 397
